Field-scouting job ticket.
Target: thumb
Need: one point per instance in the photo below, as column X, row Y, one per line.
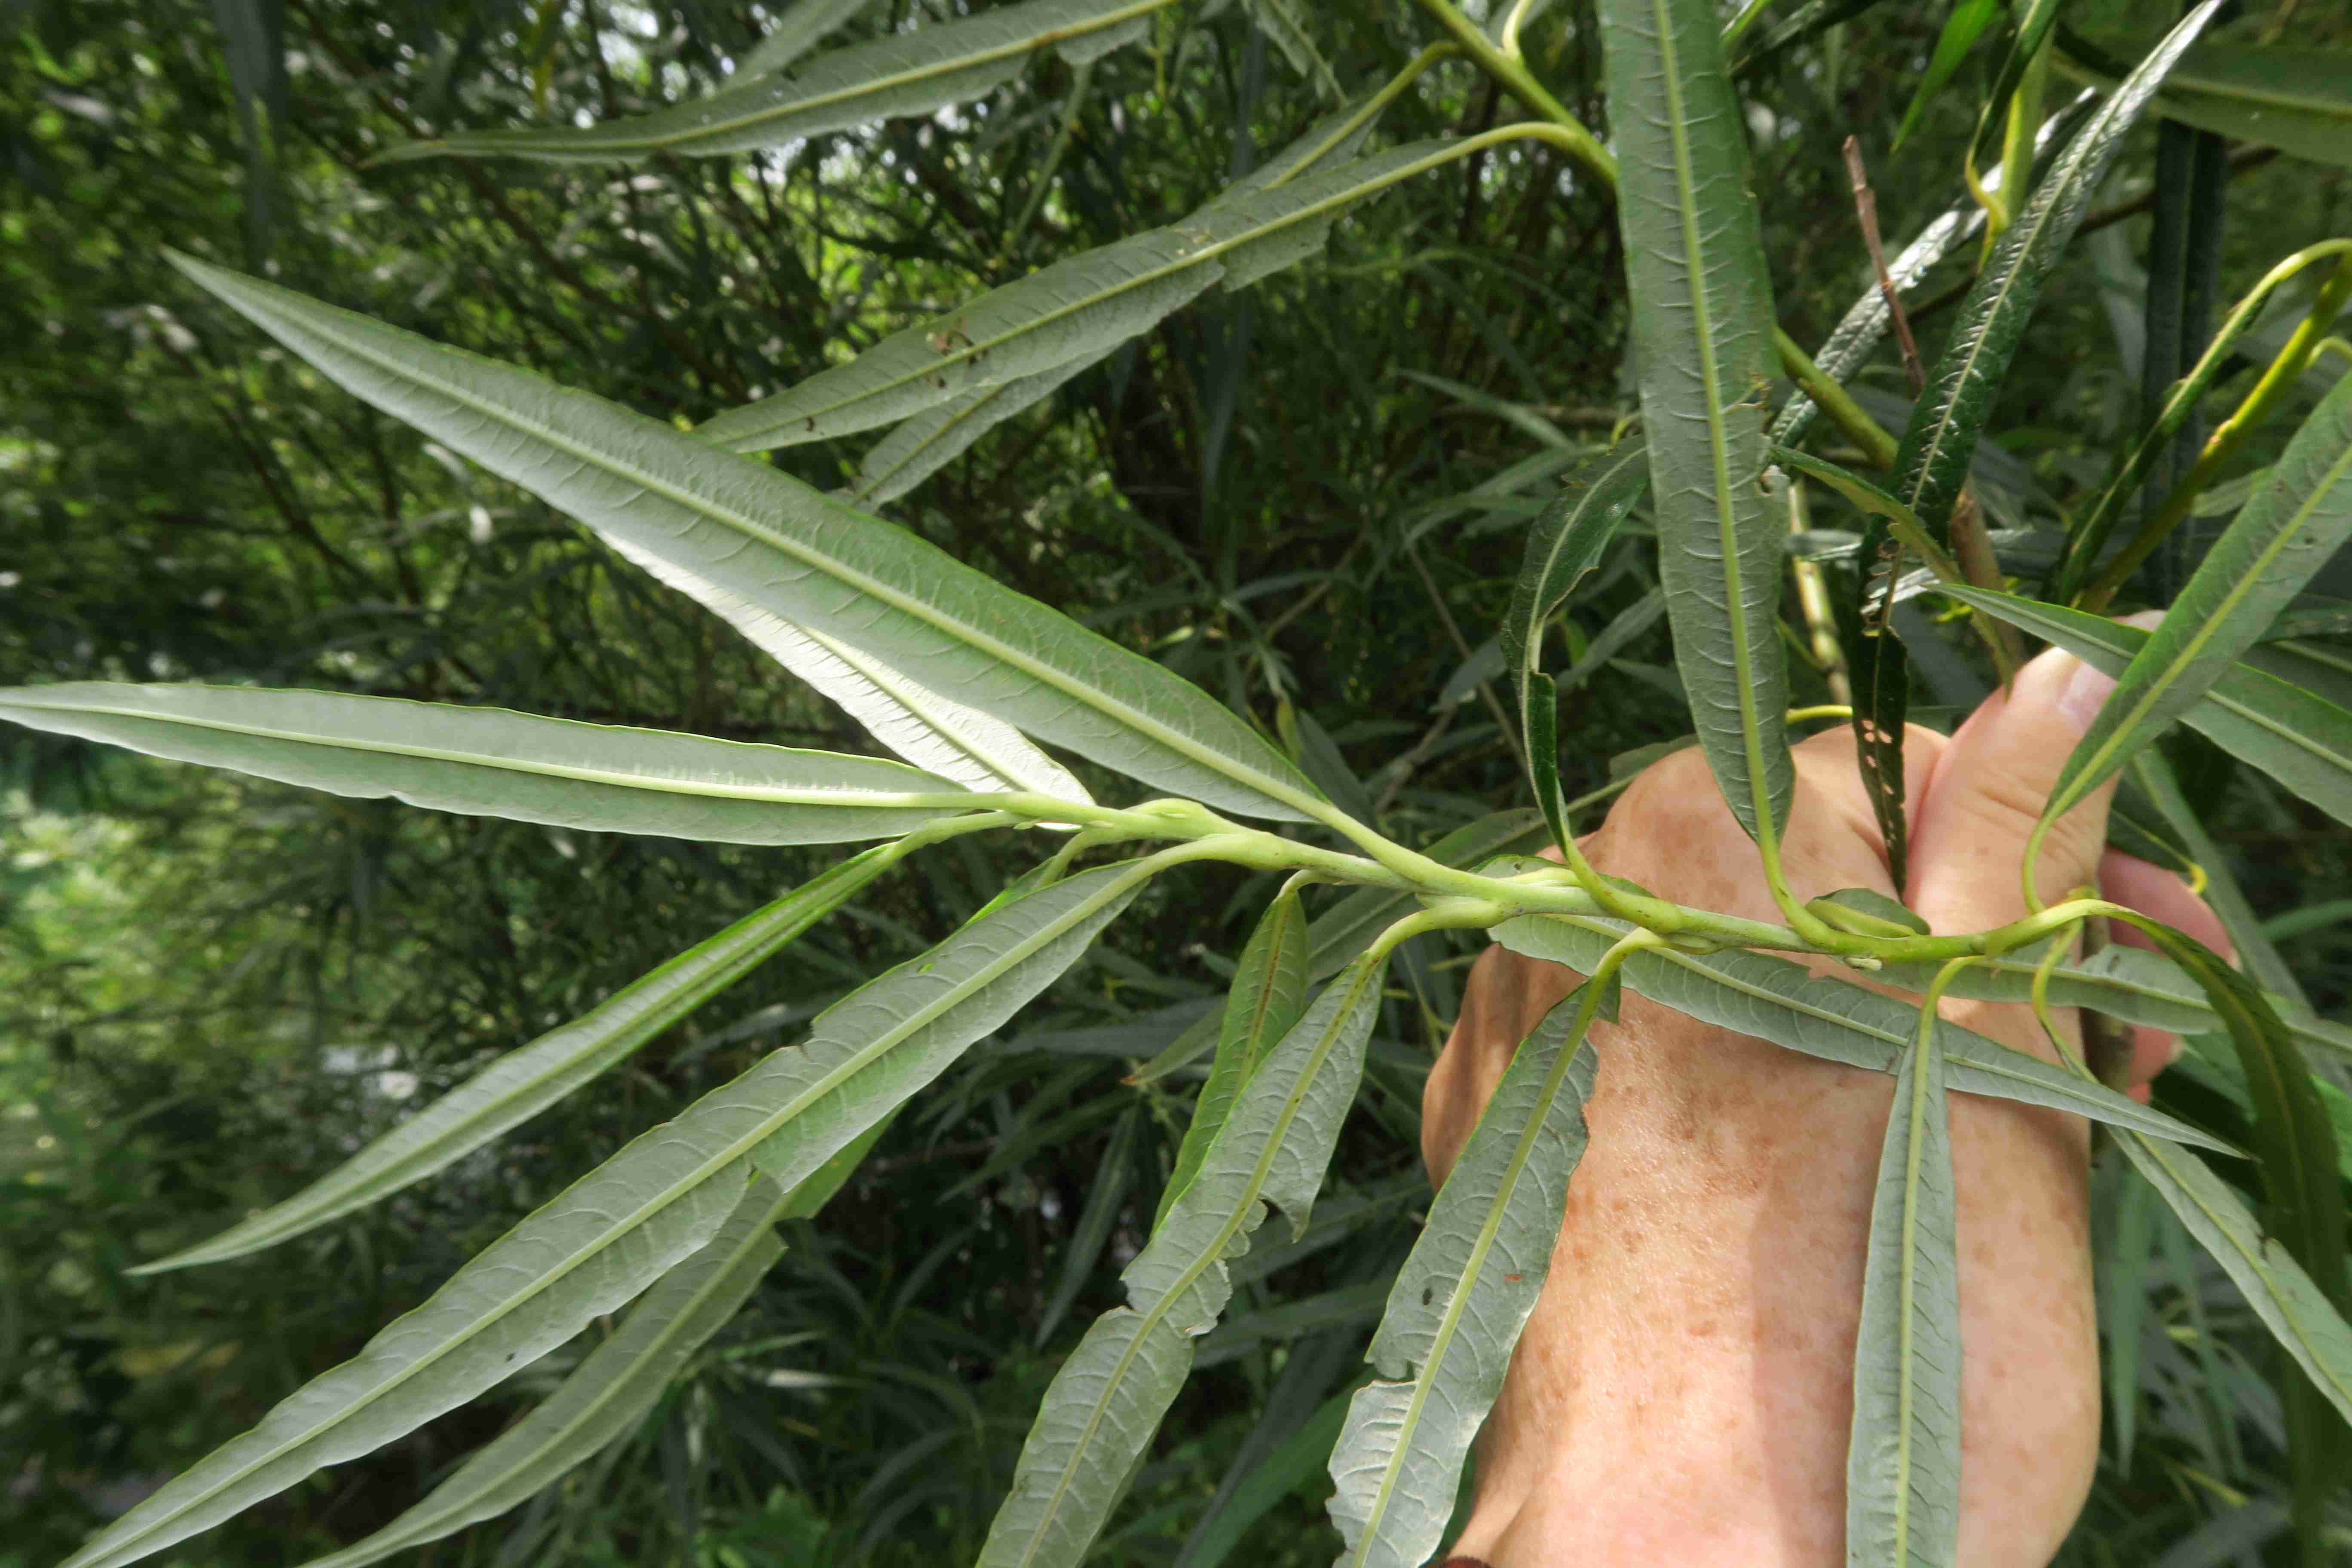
column 1987, row 792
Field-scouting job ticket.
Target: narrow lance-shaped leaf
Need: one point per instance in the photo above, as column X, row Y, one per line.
column 1268, row 991
column 606, row 1396
column 489, row 762
column 603, row 1240
column 2302, row 1319
column 1458, row 1305
column 2301, row 741
column 1702, row 333
column 1776, row 1000
column 1564, row 544
column 1931, row 464
column 1076, row 309
column 2296, row 524
column 528, row 1080
column 1100, row 1415
column 1865, row 322
column 766, row 537
column 899, row 75
column 1902, row 1460
column 1281, row 20
column 1963, row 29
column 974, row 749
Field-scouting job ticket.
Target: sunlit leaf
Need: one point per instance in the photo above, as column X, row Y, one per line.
column 900, row 74
column 489, row 762
column 767, row 539
column 526, row 1080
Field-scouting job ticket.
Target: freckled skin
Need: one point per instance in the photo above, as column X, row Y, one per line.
column 1683, row 1390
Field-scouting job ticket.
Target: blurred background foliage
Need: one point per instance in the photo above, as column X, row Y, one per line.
column 1306, row 496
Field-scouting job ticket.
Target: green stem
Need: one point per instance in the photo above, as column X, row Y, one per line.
column 1737, row 28
column 1372, row 109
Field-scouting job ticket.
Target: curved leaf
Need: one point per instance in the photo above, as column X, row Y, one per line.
column 2297, row 520
column 1076, row 309
column 528, row 1080
column 1458, row 1305
column 2282, row 1296
column 2289, row 96
column 1099, row 1415
column 1778, row 1001
column 1703, row 332
column 2300, row 741
column 768, row 539
column 1902, row 1460
column 956, row 743
column 491, row 761
column 609, row 1236
column 895, row 76
column 1565, row 542
column 1268, row 991
column 1963, row 29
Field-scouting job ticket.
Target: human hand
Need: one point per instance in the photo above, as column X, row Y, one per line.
column 1683, row 1390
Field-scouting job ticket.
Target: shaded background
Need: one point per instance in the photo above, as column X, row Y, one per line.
column 1308, row 496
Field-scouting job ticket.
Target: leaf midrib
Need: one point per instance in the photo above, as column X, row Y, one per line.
column 845, row 798
column 915, row 609
column 1215, row 1250
column 739, row 1148
column 569, row 141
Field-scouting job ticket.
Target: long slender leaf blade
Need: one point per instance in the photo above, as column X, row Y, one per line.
column 526, row 1080
column 1458, row 1305
column 1902, row 1460
column 1076, row 309
column 1963, row 29
column 765, row 537
column 609, row 1236
column 491, row 761
column 922, row 445
column 1702, row 331
column 609, row 1393
column 803, row 25
column 2301, row 741
column 1281, row 21
column 973, row 748
column 2298, row 1315
column 1779, row 1001
column 2288, row 96
column 1098, row 1418
column 1268, row 992
column 898, row 74
column 2296, row 524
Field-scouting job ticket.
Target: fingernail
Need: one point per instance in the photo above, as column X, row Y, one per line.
column 2085, row 691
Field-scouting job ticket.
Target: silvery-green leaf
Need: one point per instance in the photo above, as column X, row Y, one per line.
column 921, row 446
column 2296, row 524
column 1864, row 323
column 1098, row 1418
column 526, row 1080
column 1456, row 1309
column 609, row 1236
column 803, row 24
column 1903, row 1459
column 1776, row 1000
column 1702, row 312
column 1077, row 309
column 2301, row 741
column 898, row 74
column 605, row 1397
column 1268, row 990
column 765, row 537
column 973, row 748
column 1341, row 931
column 491, row 761
column 2302, row 1320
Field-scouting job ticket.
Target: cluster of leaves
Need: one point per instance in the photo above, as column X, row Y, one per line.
column 681, row 1220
